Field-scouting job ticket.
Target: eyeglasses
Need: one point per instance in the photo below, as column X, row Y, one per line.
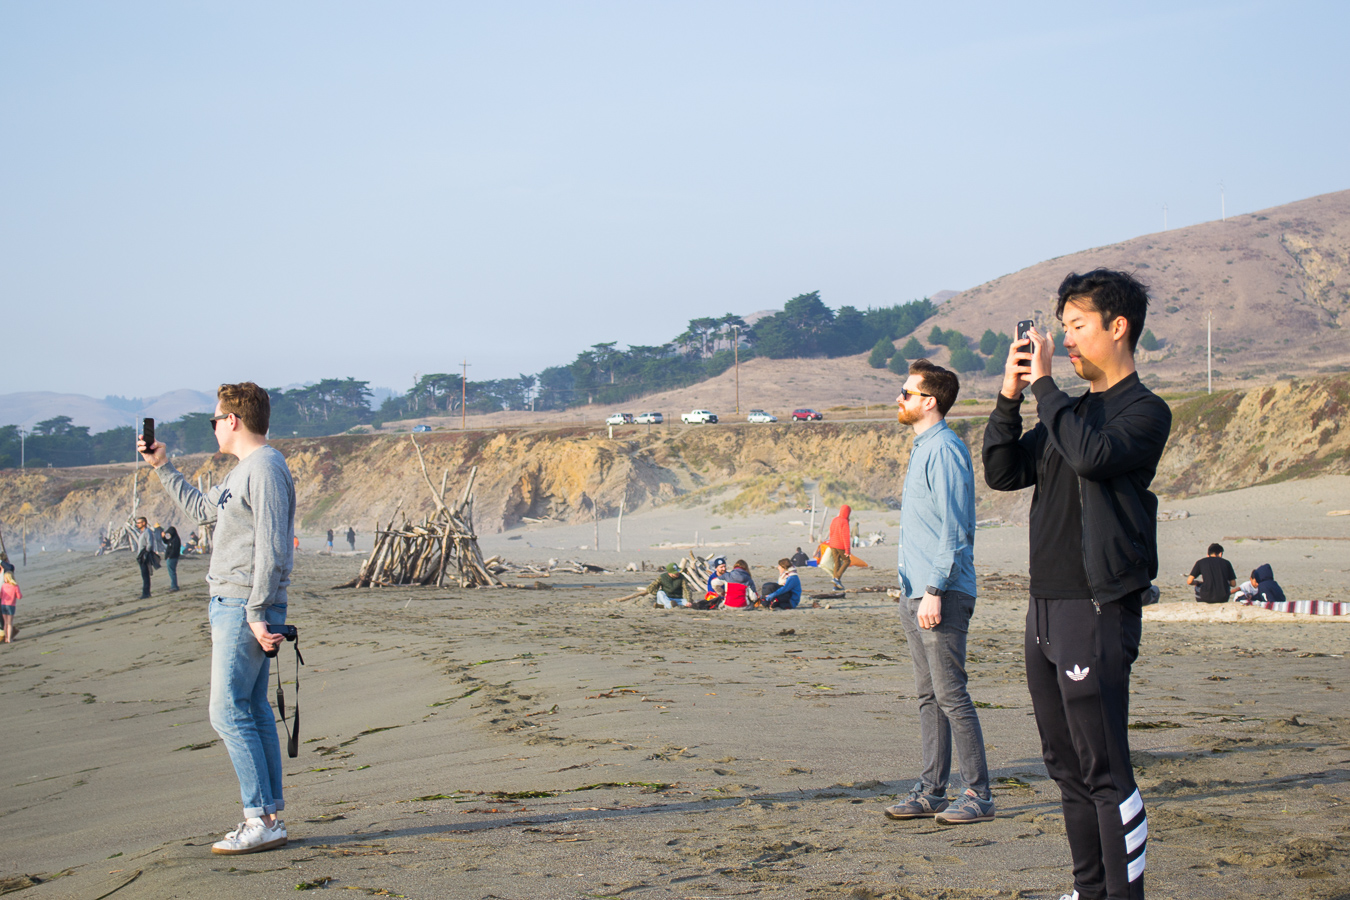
column 217, row 419
column 905, row 394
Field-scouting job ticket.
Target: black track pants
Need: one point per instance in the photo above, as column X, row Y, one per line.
column 1078, row 662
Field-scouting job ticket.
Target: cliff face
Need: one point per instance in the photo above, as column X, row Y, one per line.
column 1221, row 441
column 1233, row 439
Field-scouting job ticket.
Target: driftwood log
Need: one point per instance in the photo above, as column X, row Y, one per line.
column 441, row 546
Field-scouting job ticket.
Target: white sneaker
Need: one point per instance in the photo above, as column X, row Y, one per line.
column 251, row 836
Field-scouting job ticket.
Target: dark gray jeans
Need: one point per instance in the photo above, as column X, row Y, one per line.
column 946, row 712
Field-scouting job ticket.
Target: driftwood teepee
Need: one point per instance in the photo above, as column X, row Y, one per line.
column 444, row 544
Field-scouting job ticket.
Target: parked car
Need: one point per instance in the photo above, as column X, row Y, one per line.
column 805, row 415
column 699, row 417
column 650, row 418
column 421, row 428
column 759, row 415
column 620, row 419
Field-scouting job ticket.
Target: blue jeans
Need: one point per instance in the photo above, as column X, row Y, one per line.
column 172, row 565
column 240, row 712
column 946, row 712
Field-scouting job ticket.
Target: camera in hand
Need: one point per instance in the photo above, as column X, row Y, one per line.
column 289, row 632
column 148, row 433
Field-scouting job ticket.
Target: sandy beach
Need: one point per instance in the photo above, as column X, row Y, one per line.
column 551, row 743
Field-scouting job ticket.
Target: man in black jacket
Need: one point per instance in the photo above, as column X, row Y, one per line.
column 1094, row 553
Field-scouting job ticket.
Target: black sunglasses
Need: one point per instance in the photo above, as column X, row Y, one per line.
column 217, row 419
column 905, row 394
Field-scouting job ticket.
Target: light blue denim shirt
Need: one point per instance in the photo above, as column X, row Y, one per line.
column 937, row 515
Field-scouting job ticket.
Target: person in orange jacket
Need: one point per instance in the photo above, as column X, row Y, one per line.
column 835, row 559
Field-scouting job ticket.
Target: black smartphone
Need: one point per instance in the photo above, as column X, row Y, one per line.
column 1023, row 327
column 148, row 433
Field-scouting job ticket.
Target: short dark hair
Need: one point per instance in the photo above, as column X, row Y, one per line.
column 941, row 383
column 1215, row 550
column 1111, row 294
column 249, row 402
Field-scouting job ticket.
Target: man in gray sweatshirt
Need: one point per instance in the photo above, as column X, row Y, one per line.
column 253, row 510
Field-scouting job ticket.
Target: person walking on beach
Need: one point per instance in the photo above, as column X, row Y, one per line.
column 173, row 550
column 937, row 576
column 253, row 510
column 1213, row 577
column 146, row 543
column 351, row 537
column 330, row 539
column 1094, row 555
column 835, row 559
column 10, row 595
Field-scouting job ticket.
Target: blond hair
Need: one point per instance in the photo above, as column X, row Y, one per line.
column 9, row 578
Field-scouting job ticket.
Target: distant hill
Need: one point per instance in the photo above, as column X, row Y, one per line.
column 1277, row 282
column 27, row 409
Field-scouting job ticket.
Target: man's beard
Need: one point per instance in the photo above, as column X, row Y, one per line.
column 906, row 416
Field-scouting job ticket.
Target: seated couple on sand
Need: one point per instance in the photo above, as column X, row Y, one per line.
column 733, row 589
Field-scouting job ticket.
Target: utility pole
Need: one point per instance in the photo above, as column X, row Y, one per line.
column 736, row 355
column 1209, row 351
column 463, row 393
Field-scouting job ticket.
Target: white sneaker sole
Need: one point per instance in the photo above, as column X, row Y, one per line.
column 231, row 851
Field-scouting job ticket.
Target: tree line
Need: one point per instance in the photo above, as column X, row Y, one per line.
column 604, row 373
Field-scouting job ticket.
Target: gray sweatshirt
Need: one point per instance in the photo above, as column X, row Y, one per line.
column 254, row 513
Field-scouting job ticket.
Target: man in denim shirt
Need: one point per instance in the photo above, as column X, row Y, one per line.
column 937, row 575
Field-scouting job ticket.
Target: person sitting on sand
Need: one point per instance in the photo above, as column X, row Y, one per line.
column 1216, row 577
column 717, row 582
column 10, row 595
column 1261, row 588
column 740, row 586
column 668, row 587
column 787, row 592
column 835, row 559
column 799, row 559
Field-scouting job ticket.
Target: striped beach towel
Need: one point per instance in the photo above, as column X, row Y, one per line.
column 1304, row 607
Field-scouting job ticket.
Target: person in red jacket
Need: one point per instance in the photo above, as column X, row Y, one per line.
column 835, row 559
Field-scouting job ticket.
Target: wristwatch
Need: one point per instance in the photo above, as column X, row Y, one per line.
column 934, row 591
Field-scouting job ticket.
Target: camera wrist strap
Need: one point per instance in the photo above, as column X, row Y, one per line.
column 292, row 735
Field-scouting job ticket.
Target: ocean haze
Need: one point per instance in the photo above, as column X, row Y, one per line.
column 28, row 408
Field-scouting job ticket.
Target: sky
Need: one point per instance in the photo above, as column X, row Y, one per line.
column 194, row 193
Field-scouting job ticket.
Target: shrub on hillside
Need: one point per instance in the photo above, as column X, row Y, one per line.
column 883, row 351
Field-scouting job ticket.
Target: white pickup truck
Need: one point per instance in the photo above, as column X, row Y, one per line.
column 699, row 417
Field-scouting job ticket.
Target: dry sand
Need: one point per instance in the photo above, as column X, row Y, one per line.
column 550, row 743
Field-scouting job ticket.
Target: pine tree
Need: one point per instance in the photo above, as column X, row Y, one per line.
column 912, row 349
column 899, row 365
column 1148, row 341
column 937, row 336
column 883, row 351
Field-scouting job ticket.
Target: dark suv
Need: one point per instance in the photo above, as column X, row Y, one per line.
column 805, row 415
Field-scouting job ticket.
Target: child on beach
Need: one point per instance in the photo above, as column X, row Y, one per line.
column 10, row 595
